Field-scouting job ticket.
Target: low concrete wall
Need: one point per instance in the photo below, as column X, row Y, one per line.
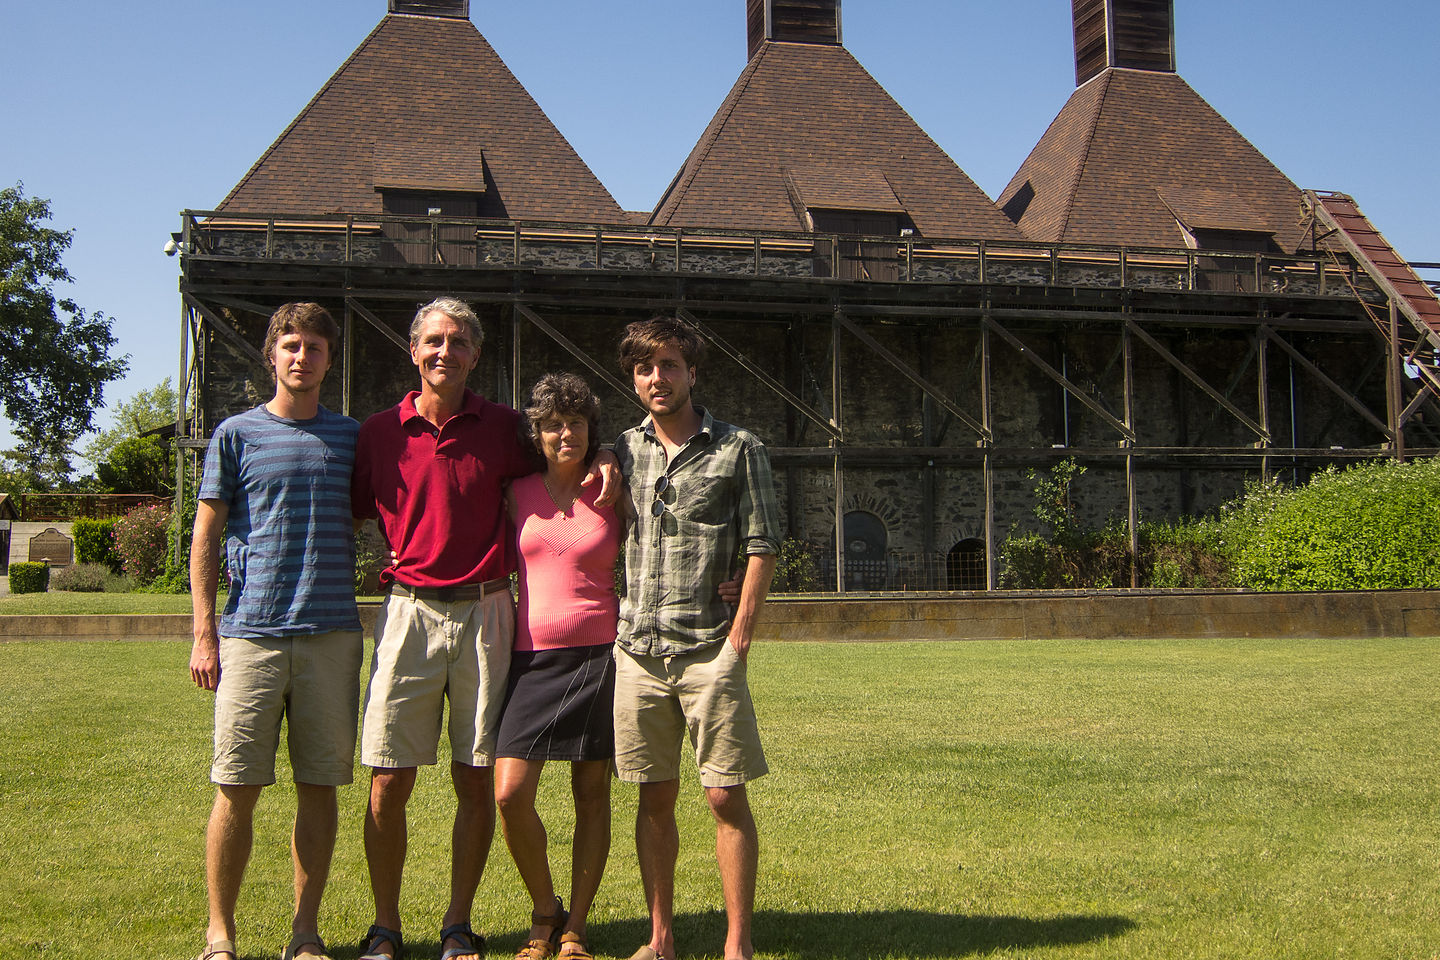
column 152, row 626
column 159, row 626
column 1179, row 615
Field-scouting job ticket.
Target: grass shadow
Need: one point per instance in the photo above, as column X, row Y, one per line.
column 919, row 933
column 830, row 935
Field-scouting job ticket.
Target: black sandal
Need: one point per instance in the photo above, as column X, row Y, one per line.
column 376, row 935
column 475, row 944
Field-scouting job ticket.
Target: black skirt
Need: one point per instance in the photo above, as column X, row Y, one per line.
column 558, row 705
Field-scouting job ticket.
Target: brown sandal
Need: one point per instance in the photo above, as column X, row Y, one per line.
column 219, row 947
column 544, row 949
column 581, row 952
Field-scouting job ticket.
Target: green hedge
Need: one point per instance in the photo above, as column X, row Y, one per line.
column 29, row 577
column 1375, row 526
column 95, row 542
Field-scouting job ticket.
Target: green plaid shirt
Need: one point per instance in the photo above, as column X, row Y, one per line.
column 718, row 498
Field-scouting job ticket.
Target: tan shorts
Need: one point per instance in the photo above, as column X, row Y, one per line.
column 425, row 652
column 313, row 682
column 657, row 699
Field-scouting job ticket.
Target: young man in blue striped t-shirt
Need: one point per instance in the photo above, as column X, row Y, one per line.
column 276, row 492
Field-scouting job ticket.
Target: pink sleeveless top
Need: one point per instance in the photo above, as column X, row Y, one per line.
column 567, row 569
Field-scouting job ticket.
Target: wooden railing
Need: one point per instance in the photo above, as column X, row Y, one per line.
column 52, row 507
column 459, row 243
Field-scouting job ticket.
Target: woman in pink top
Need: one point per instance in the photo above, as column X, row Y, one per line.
column 562, row 678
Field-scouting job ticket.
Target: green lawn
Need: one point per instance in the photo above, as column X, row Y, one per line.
column 64, row 602
column 1103, row 799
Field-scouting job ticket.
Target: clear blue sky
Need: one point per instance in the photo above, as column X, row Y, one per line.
column 125, row 112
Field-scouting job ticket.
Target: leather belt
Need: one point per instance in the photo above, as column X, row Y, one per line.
column 458, row 593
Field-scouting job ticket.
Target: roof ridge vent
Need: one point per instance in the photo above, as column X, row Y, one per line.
column 791, row 21
column 1137, row 34
column 456, row 9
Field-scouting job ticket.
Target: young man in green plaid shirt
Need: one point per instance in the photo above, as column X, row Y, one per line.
column 701, row 491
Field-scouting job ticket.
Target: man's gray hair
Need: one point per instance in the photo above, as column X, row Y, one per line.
column 454, row 308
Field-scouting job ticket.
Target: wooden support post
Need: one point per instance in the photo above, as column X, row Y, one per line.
column 987, row 471
column 1132, row 508
column 1262, row 375
column 515, row 400
column 1393, row 373
column 794, row 381
column 178, row 547
column 1132, row 520
column 347, row 360
column 928, row 495
column 837, row 417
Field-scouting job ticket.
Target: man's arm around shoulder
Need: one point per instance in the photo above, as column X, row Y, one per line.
column 607, row 468
column 210, row 517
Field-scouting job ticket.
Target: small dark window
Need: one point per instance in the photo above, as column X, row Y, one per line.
column 416, row 241
column 965, row 565
column 860, row 260
column 1229, row 274
column 866, row 541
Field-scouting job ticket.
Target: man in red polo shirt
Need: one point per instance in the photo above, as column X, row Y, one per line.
column 433, row 470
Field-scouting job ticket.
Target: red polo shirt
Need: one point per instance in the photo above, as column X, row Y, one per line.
column 439, row 493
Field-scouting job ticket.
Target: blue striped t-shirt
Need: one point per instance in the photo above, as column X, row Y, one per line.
column 289, row 540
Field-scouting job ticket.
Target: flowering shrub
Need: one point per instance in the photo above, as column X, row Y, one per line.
column 141, row 542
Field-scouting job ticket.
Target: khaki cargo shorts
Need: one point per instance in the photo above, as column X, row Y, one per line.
column 311, row 681
column 427, row 652
column 659, row 699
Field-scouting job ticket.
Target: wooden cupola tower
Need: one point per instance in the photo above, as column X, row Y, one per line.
column 1136, row 34
column 458, row 9
column 791, row 21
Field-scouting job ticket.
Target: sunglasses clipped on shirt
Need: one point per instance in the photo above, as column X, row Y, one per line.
column 662, row 483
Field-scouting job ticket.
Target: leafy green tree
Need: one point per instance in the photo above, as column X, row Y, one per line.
column 145, row 411
column 24, row 473
column 136, row 465
column 125, row 460
column 55, row 359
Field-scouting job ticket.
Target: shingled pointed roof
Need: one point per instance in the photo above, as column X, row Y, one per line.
column 424, row 104
column 807, row 126
column 1132, row 156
